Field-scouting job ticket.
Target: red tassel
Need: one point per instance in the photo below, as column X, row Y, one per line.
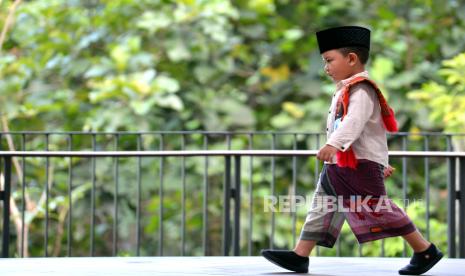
column 390, row 121
column 346, row 159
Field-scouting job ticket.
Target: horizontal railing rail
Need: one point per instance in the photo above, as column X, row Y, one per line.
column 137, row 140
column 168, row 153
column 421, row 133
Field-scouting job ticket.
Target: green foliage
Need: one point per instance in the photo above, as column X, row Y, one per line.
column 138, row 65
column 445, row 100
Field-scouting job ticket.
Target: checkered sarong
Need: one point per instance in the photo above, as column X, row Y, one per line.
column 358, row 196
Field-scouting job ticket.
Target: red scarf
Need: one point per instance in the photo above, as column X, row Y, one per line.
column 347, row 158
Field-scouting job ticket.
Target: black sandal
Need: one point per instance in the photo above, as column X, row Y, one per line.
column 422, row 261
column 287, row 259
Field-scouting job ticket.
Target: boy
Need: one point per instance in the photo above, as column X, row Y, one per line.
column 356, row 162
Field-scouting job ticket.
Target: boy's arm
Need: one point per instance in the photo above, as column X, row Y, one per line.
column 361, row 105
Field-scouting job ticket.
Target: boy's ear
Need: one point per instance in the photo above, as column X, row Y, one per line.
column 353, row 58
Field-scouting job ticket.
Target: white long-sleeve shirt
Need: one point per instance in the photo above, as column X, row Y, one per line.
column 362, row 127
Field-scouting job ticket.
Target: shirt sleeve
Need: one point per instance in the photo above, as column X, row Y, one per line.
column 361, row 106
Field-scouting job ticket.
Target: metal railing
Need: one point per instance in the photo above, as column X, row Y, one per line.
column 231, row 229
column 43, row 140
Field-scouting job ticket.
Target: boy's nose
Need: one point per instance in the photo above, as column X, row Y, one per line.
column 326, row 69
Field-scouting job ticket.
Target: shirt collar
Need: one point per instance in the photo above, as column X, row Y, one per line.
column 342, row 83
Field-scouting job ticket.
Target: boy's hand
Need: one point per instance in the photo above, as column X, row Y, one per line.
column 326, row 153
column 388, row 171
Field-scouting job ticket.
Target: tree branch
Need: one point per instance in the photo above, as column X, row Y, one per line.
column 8, row 22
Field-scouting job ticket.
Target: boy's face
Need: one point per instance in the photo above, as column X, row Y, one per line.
column 338, row 66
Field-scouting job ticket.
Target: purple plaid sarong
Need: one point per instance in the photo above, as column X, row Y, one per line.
column 358, row 196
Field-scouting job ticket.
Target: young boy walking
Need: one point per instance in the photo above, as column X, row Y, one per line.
column 356, row 163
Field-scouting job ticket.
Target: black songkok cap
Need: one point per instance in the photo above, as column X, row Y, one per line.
column 345, row 36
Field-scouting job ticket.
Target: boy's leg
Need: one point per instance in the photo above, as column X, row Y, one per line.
column 322, row 226
column 425, row 255
column 416, row 241
column 392, row 222
column 323, row 222
column 304, row 248
column 395, row 222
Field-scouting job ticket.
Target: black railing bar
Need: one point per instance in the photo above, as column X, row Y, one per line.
column 249, row 245
column 70, row 198
column 161, row 196
column 451, row 203
column 92, row 199
column 139, row 193
column 183, row 200
column 237, row 205
column 449, row 142
column 228, row 141
column 451, row 206
column 47, row 192
column 419, row 154
column 6, row 205
column 427, row 188
column 205, row 199
column 115, row 198
column 23, row 195
column 229, row 228
column 294, row 190
column 461, row 198
column 226, row 210
column 273, row 179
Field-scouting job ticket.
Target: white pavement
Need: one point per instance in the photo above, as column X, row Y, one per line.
column 139, row 266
